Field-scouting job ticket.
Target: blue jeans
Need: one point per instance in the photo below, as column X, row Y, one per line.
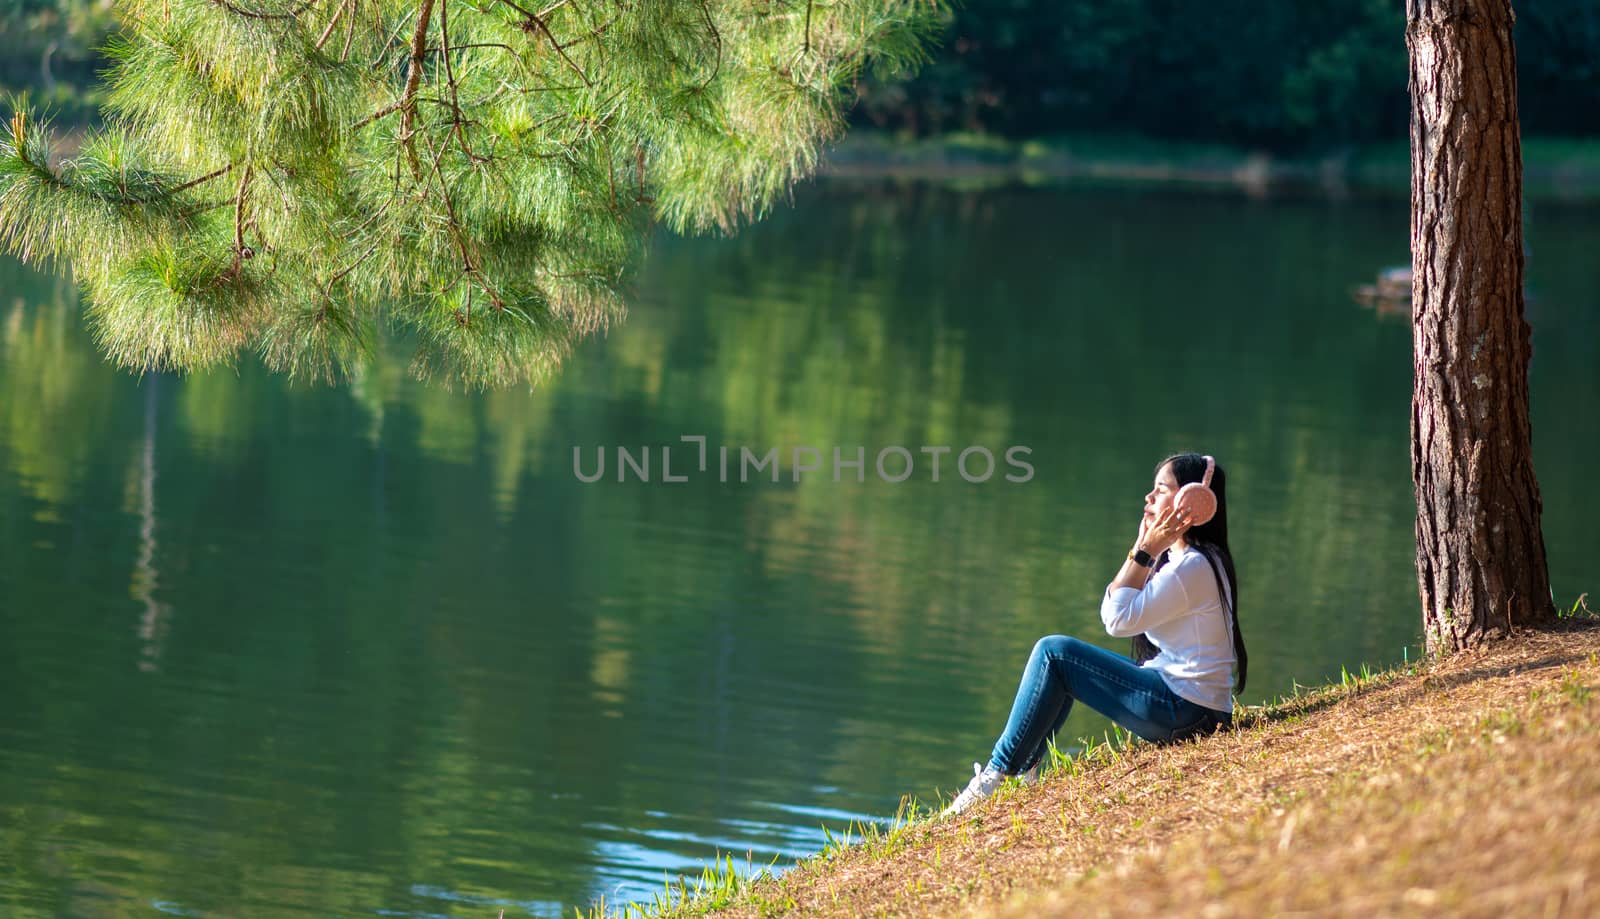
column 1063, row 669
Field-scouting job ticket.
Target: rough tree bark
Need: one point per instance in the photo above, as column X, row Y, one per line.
column 1481, row 564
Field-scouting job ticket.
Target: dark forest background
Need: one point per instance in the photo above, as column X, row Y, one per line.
column 1285, row 77
column 1282, row 77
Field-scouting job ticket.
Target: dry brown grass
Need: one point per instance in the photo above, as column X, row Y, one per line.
column 1468, row 787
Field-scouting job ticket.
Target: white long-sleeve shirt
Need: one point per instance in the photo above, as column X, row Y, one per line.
column 1181, row 612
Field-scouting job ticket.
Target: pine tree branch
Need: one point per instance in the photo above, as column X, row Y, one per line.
column 21, row 140
column 340, row 274
column 257, row 14
column 239, row 201
column 202, row 208
column 458, row 124
column 639, row 154
column 705, row 9
column 203, row 179
column 408, row 101
column 512, row 3
column 395, row 33
column 516, row 57
column 531, row 21
column 531, row 90
column 594, row 33
column 328, row 32
column 349, row 37
column 319, row 241
column 376, row 216
column 458, row 234
column 484, row 44
column 389, row 109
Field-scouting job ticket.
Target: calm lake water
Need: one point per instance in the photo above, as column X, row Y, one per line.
column 278, row 651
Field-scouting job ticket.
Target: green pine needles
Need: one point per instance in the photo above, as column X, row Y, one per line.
column 299, row 177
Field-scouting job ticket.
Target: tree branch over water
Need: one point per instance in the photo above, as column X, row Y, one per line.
column 508, row 198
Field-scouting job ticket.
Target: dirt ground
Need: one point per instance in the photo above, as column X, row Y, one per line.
column 1468, row 787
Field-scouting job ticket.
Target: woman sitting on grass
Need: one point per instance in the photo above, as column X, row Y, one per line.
column 1177, row 594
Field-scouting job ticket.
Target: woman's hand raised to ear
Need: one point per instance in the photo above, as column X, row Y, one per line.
column 1161, row 533
column 1155, row 537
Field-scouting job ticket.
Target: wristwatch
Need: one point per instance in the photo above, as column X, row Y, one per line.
column 1140, row 557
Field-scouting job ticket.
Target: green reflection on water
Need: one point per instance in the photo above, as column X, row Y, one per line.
column 270, row 650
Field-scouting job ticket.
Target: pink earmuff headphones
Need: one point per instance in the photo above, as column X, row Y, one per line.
column 1197, row 499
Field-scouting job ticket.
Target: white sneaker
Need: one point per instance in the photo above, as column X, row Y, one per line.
column 984, row 782
column 1032, row 776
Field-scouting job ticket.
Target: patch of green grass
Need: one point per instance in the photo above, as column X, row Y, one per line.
column 1580, row 609
column 1573, row 687
column 1435, row 741
column 717, row 885
column 1019, row 827
column 1505, row 722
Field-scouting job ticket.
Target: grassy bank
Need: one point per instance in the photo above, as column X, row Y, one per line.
column 1552, row 167
column 1461, row 787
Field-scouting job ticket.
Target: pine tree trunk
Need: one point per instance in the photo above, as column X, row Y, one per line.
column 1480, row 554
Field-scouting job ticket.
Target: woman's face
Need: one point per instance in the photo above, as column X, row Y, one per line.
column 1162, row 493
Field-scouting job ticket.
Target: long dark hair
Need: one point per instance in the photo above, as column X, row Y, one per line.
column 1211, row 540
